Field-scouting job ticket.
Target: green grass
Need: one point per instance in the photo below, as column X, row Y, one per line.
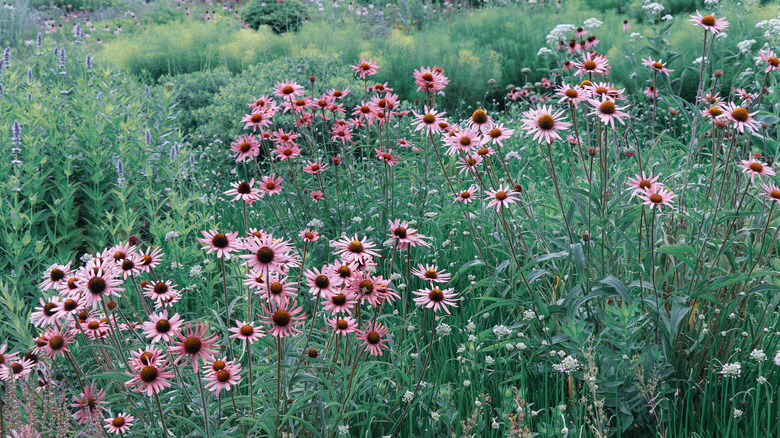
column 650, row 304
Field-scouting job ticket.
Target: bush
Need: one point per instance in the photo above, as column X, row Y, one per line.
column 281, row 17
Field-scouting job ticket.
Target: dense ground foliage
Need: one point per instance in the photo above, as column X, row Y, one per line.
column 503, row 220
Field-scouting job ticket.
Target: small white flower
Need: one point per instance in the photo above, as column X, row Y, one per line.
column 195, row 271
column 529, row 314
column 521, row 346
column 170, row 235
column 489, row 360
column 758, row 355
column 435, row 416
column 471, row 326
column 407, row 397
column 501, row 331
column 732, row 370
column 737, row 413
column 761, row 380
column 568, row 365
column 414, row 356
column 344, row 429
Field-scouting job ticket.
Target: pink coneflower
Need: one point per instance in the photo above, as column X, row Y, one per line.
column 656, row 65
column 373, row 337
column 309, row 235
column 15, row 369
column 651, row 92
column 98, row 285
column 464, row 141
column 287, row 151
column 245, row 147
column 768, row 56
column 244, row 191
column 194, row 344
column 404, row 236
column 771, row 192
column 657, row 198
column 95, row 327
column 343, row 326
column 714, row 112
column 222, row 243
column 245, row 331
column 55, row 277
column 258, row 119
column 161, row 292
column 276, row 289
column 354, row 249
column 404, row 143
column 150, row 259
column 46, row 313
column 740, row 117
column 387, row 156
column 591, row 42
column 436, row 298
column 643, row 182
column 502, row 197
column 602, row 89
column 544, row 123
column 120, row 424
column 298, row 105
column 468, row 164
column 58, row 339
column 161, row 327
column 430, row 80
column 626, row 26
column 323, row 282
column 334, row 93
column 345, row 268
column 271, row 184
column 498, row 133
column 365, row 68
column 267, row 254
column 283, row 319
column 573, row 95
column 315, row 167
column 744, row 94
column 710, row 23
column 428, row 120
column 316, row 195
column 222, row 374
column 282, row 138
column 288, row 89
column 431, row 273
column 341, row 133
column 261, row 102
column 594, row 64
column 71, row 305
column 341, row 302
column 371, row 288
column 607, row 111
column 149, row 373
column 756, row 168
column 467, row 195
column 89, row 404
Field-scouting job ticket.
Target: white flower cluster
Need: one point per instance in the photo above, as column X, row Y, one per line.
column 170, row 235
column 568, row 365
column 771, row 28
column 732, row 370
column 744, row 46
column 758, row 355
column 653, row 9
column 560, row 33
column 544, row 51
column 592, row 23
column 501, row 330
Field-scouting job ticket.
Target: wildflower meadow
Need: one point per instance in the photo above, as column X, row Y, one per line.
column 419, row 218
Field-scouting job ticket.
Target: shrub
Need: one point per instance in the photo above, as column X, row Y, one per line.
column 280, row 16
